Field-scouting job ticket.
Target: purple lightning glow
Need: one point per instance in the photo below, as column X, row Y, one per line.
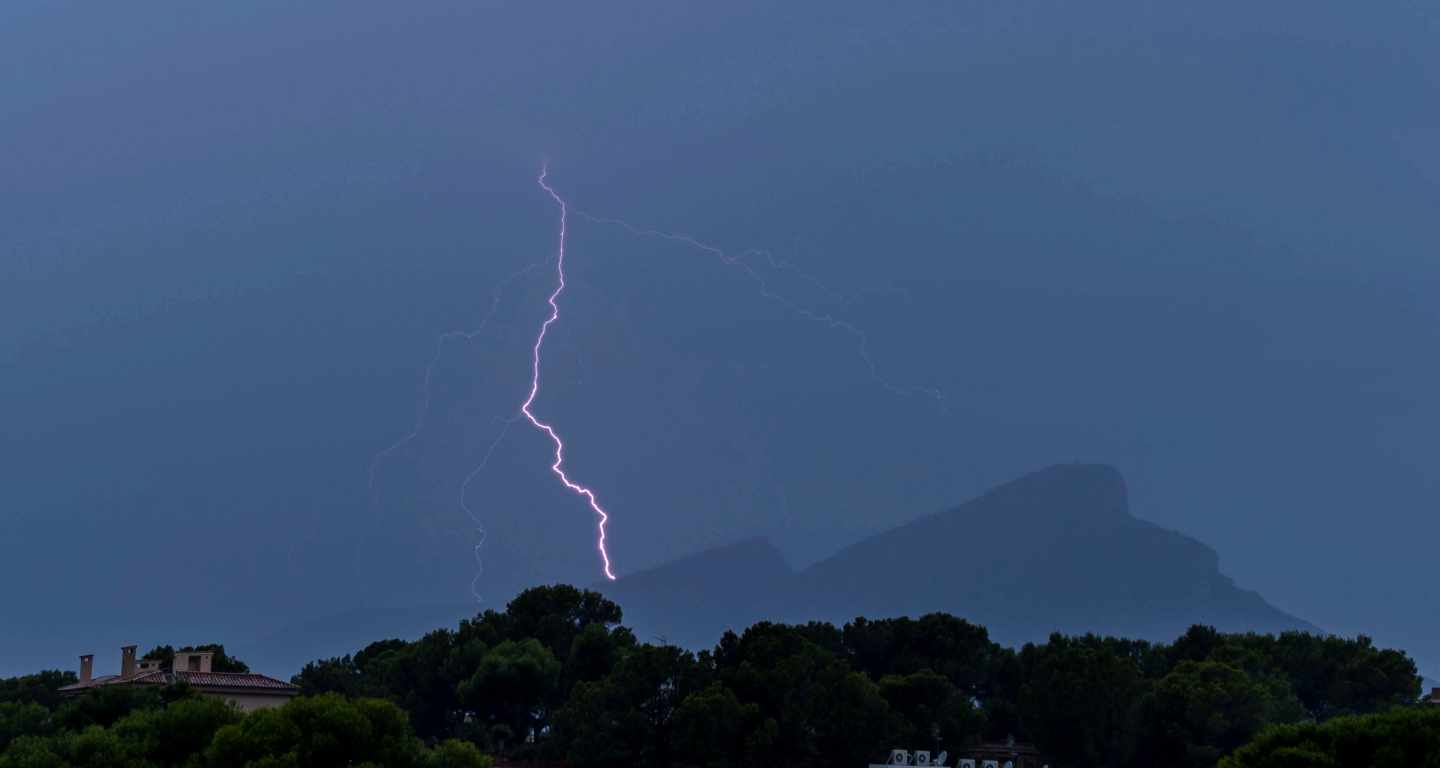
column 558, row 467
column 740, row 261
column 862, row 339
column 422, row 410
column 475, row 518
column 422, row 413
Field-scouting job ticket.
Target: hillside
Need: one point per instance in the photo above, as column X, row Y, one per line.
column 1056, row 550
column 691, row 601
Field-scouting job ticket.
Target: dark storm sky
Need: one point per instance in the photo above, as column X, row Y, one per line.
column 1196, row 242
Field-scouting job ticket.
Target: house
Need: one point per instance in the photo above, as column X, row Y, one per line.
column 1433, row 698
column 1006, row 755
column 243, row 690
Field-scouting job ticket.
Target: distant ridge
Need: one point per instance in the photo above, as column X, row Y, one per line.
column 691, row 601
column 1055, row 550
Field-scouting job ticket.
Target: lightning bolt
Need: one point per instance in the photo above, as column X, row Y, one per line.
column 740, row 261
column 558, row 467
column 422, row 410
column 862, row 339
column 474, row 517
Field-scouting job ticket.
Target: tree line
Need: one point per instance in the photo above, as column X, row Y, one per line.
column 173, row 727
column 557, row 677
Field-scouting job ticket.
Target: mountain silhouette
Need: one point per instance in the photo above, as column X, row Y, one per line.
column 691, row 601
column 1056, row 550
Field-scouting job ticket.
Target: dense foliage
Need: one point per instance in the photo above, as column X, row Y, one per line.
column 556, row 677
column 146, row 727
column 1400, row 737
column 220, row 662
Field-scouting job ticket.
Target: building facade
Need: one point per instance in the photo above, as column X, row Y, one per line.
column 245, row 691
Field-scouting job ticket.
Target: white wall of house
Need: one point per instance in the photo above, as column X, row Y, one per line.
column 248, row 702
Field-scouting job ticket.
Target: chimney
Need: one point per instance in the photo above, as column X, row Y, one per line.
column 127, row 662
column 194, row 661
column 87, row 667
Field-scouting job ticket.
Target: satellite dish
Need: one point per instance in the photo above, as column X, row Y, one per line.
column 940, row 759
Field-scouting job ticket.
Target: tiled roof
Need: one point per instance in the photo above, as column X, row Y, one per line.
column 94, row 682
column 196, row 679
column 233, row 680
